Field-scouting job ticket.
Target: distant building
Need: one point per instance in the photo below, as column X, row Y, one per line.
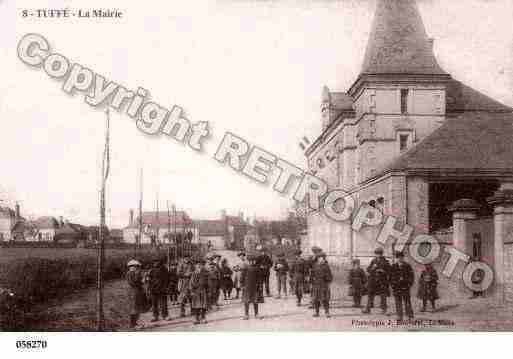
column 46, row 228
column 9, row 219
column 161, row 222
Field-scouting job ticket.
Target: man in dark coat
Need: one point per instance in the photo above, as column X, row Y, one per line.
column 250, row 282
column 173, row 282
column 321, row 281
column 357, row 280
column 136, row 295
column 265, row 263
column 298, row 270
column 378, row 281
column 402, row 278
column 158, row 288
column 281, row 268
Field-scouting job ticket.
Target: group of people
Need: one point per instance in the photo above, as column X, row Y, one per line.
column 197, row 284
column 381, row 275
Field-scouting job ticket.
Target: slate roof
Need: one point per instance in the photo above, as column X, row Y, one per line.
column 46, row 222
column 462, row 98
column 150, row 217
column 473, row 141
column 398, row 42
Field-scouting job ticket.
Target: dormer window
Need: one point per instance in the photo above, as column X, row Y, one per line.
column 404, row 101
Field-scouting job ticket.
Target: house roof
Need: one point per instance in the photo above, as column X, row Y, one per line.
column 162, row 220
column 46, row 222
column 462, row 98
column 398, row 42
column 472, row 141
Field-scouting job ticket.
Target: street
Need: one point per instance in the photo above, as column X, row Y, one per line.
column 284, row 315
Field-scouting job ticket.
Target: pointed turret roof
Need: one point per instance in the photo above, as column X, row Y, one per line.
column 398, row 42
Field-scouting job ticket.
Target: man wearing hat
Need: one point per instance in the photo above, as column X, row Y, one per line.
column 281, row 268
column 356, row 280
column 402, row 278
column 158, row 286
column 251, row 288
column 136, row 296
column 378, row 281
column 310, row 264
column 214, row 279
column 321, row 281
column 265, row 263
column 237, row 268
column 297, row 276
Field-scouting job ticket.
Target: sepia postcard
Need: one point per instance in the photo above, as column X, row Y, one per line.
column 256, row 166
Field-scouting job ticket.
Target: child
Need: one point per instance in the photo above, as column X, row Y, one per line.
column 357, row 281
column 250, row 278
column 427, row 287
column 226, row 279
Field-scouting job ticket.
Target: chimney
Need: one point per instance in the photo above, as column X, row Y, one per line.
column 241, row 215
column 61, row 221
column 17, row 211
column 131, row 219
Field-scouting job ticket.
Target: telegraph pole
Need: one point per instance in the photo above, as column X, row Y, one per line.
column 101, row 240
column 140, row 210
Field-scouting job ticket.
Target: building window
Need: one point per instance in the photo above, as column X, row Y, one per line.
column 404, row 101
column 403, row 142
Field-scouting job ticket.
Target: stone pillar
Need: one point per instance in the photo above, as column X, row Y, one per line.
column 462, row 211
column 503, row 226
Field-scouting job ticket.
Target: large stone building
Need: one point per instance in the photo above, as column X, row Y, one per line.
column 411, row 140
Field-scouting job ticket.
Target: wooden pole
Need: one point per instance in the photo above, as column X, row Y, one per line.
column 140, row 210
column 101, row 241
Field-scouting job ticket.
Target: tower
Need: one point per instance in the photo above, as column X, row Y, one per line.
column 399, row 95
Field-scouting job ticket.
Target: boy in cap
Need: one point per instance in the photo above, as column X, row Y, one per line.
column 357, row 280
column 214, row 278
column 321, row 281
column 281, row 268
column 402, row 278
column 378, row 281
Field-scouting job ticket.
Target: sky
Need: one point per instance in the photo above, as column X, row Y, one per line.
column 254, row 68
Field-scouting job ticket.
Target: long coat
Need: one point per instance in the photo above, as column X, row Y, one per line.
column 158, row 280
column 357, row 281
column 321, row 280
column 402, row 278
column 379, row 277
column 184, row 277
column 226, row 278
column 136, row 296
column 298, row 271
column 236, row 276
column 199, row 289
column 428, row 283
column 251, row 284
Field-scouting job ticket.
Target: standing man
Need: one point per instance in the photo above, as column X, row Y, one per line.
column 184, row 277
column 265, row 262
column 281, row 268
column 379, row 280
column 310, row 264
column 136, row 295
column 297, row 276
column 199, row 292
column 250, row 282
column 402, row 278
column 357, row 280
column 321, row 281
column 158, row 288
column 214, row 278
